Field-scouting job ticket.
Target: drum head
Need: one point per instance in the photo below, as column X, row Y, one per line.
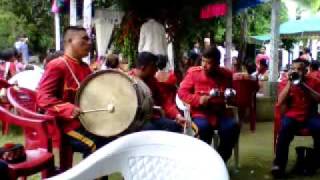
column 109, row 103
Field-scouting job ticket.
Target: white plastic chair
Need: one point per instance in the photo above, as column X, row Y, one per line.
column 215, row 139
column 151, row 155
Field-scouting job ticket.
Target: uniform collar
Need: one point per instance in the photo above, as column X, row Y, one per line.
column 69, row 58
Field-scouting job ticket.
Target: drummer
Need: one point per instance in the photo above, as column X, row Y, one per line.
column 146, row 69
column 58, row 87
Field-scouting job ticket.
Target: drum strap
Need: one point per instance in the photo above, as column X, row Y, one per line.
column 72, row 73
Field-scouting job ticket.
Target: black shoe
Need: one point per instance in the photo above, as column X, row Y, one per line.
column 277, row 172
column 311, row 162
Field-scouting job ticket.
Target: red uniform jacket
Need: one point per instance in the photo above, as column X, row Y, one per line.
column 57, row 90
column 7, row 73
column 196, row 83
column 161, row 96
column 315, row 74
column 299, row 104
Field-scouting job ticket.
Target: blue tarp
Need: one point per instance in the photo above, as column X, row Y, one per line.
column 308, row 27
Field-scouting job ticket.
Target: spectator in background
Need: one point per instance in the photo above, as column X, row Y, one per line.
column 18, row 61
column 196, row 48
column 163, row 76
column 31, row 76
column 22, row 47
column 262, row 71
column 236, row 65
column 192, row 59
column 50, row 56
column 262, row 55
column 223, row 53
column 207, row 43
column 306, row 55
column 112, row 61
column 7, row 67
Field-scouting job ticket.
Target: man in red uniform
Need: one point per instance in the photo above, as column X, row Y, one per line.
column 58, row 87
column 314, row 70
column 301, row 111
column 146, row 69
column 209, row 112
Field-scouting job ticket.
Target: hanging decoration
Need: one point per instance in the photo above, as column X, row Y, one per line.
column 59, row 6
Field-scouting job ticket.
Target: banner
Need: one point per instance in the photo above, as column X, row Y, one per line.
column 59, row 6
column 105, row 21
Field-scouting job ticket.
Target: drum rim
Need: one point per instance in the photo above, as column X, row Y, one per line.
column 87, row 80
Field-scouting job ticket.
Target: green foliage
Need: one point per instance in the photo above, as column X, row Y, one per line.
column 30, row 17
column 260, row 18
column 103, row 3
column 314, row 5
column 10, row 27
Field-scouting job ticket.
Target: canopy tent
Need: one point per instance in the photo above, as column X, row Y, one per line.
column 303, row 28
column 261, row 39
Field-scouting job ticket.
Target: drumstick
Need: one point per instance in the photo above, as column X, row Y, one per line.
column 110, row 108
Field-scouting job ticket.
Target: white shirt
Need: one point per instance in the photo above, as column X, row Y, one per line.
column 222, row 54
column 153, row 38
column 22, row 47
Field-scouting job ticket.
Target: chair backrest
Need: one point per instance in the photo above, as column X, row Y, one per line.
column 24, row 102
column 246, row 91
column 22, row 98
column 38, row 126
column 152, row 155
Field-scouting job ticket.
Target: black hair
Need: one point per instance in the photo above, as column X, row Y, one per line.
column 250, row 67
column 162, row 61
column 193, row 56
column 7, row 54
column 145, row 59
column 71, row 29
column 212, row 53
column 112, row 61
column 51, row 56
column 263, row 62
column 299, row 60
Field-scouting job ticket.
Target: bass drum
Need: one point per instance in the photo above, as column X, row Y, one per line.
column 113, row 103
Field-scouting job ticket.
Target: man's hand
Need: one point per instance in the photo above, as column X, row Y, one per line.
column 76, row 112
column 182, row 121
column 204, row 100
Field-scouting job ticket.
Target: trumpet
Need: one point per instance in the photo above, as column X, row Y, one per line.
column 295, row 77
column 229, row 92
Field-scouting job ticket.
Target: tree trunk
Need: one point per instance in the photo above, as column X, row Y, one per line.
column 228, row 35
column 177, row 59
column 275, row 37
column 243, row 37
